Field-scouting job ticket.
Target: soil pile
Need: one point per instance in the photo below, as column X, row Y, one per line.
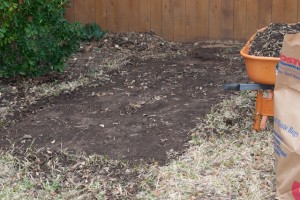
column 268, row 42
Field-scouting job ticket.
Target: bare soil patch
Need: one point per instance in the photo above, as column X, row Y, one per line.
column 138, row 100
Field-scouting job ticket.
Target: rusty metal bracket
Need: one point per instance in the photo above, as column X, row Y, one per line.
column 264, row 109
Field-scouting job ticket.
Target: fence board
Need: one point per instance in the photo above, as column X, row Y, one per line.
column 277, row 11
column 252, row 17
column 101, row 13
column 191, row 20
column 145, row 15
column 202, row 19
column 291, row 11
column 111, row 10
column 179, row 20
column 70, row 12
column 227, row 19
column 240, row 10
column 134, row 16
column 156, row 16
column 90, row 11
column 215, row 19
column 80, row 11
column 265, row 13
column 167, row 19
column 123, row 15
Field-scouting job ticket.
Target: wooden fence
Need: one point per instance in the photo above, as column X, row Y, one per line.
column 186, row 20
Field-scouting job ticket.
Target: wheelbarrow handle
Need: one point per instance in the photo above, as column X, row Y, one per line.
column 244, row 86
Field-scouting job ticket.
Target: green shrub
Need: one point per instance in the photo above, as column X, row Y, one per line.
column 35, row 38
column 92, row 32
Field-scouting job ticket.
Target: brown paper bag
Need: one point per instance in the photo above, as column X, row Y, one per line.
column 287, row 120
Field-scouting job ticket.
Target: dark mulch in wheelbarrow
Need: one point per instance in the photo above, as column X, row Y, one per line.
column 268, row 42
column 142, row 110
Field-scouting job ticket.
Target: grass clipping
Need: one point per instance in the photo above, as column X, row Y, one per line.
column 227, row 160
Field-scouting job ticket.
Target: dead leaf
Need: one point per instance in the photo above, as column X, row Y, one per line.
column 88, row 48
column 156, row 193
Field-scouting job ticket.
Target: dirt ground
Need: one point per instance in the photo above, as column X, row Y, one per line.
column 140, row 98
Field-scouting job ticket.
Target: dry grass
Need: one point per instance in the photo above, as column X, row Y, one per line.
column 227, row 160
column 47, row 175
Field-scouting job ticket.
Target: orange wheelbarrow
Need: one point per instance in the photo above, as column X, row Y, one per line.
column 262, row 71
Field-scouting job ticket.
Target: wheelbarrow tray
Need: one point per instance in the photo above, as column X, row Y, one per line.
column 260, row 69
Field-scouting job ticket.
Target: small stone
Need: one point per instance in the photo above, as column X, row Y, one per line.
column 27, row 137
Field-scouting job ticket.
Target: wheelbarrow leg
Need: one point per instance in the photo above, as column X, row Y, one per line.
column 271, row 111
column 264, row 108
column 257, row 117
